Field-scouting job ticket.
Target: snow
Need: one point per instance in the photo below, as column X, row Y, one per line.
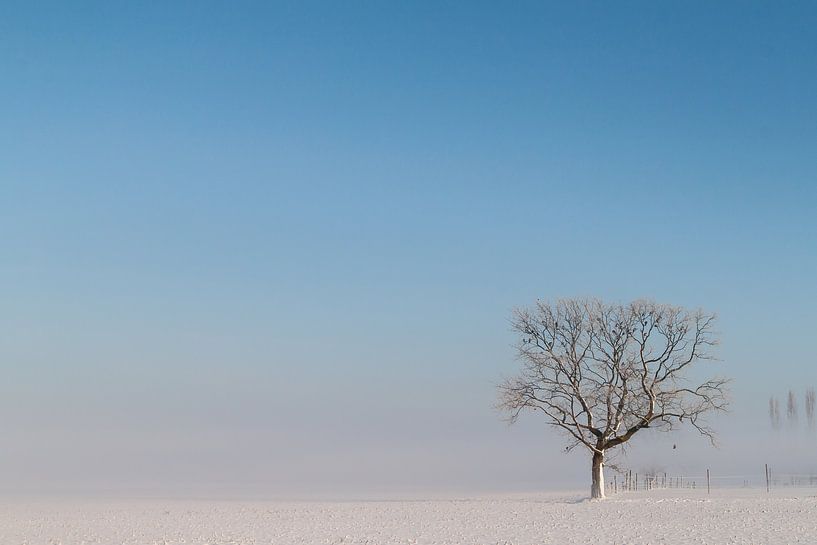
column 747, row 516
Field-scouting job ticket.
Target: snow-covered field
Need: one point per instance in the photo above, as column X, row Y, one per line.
column 659, row 517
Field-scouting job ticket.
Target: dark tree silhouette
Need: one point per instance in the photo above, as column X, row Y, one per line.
column 601, row 372
column 774, row 412
column 791, row 407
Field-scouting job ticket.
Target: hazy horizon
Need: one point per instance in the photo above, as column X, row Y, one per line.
column 273, row 249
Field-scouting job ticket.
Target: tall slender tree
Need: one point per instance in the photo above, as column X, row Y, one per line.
column 791, row 407
column 774, row 412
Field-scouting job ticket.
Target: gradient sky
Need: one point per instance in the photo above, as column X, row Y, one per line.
column 273, row 247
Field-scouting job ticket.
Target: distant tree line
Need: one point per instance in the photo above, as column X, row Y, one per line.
column 792, row 409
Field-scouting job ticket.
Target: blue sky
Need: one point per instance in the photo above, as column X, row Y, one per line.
column 276, row 245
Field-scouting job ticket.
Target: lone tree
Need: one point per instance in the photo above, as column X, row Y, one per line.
column 602, row 372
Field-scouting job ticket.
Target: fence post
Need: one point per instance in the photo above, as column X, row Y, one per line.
column 767, row 478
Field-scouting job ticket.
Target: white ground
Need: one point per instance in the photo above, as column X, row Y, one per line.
column 655, row 517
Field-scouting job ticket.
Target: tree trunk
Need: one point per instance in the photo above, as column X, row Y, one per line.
column 597, row 489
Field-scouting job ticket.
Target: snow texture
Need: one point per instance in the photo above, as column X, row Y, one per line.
column 747, row 516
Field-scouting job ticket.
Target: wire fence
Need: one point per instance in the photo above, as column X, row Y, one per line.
column 766, row 478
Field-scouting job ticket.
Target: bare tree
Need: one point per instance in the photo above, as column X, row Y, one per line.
column 602, row 372
column 810, row 398
column 791, row 407
column 774, row 412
